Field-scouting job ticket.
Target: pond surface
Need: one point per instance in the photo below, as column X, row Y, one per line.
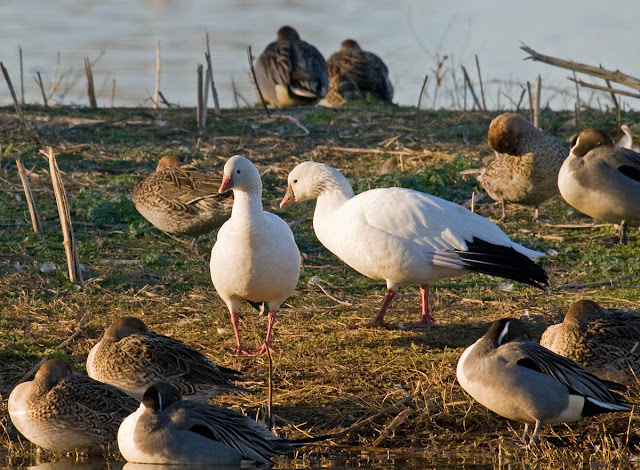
column 408, row 34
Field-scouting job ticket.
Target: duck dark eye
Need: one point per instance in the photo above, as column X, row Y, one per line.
column 238, row 171
column 295, row 181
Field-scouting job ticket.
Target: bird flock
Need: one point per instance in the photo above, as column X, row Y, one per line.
column 148, row 393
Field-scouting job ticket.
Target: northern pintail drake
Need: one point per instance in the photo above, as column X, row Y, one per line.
column 181, row 200
column 132, row 358
column 606, row 342
column 255, row 256
column 291, row 72
column 602, row 180
column 524, row 167
column 406, row 237
column 167, row 430
column 518, row 379
column 62, row 411
column 354, row 73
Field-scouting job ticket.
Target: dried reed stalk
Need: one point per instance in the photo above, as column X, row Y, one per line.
column 158, row 66
column 200, row 98
column 41, row 86
column 205, row 97
column 531, row 105
column 70, row 247
column 484, row 103
column 536, row 102
column 33, row 211
column 255, row 81
column 424, row 84
column 577, row 108
column 13, row 94
column 113, row 91
column 214, row 92
column 467, row 80
column 90, row 89
column 21, row 76
column 608, row 89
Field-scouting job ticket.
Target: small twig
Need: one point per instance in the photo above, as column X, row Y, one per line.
column 33, row 211
column 205, row 96
column 531, row 105
column 200, row 98
column 50, row 351
column 21, row 76
column 90, row 89
column 609, row 89
column 467, row 80
column 13, row 94
column 315, row 281
column 157, row 89
column 484, row 104
column 41, row 85
column 70, row 247
column 113, row 91
column 295, row 121
column 164, row 100
column 214, row 92
column 577, row 225
column 424, row 84
column 603, row 282
column 577, row 110
column 536, row 102
column 395, row 422
column 365, row 150
column 524, row 90
column 255, row 81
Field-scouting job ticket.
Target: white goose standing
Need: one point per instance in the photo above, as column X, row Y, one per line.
column 406, row 237
column 255, row 257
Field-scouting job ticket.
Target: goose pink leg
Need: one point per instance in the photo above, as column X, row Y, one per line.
column 240, row 349
column 263, row 349
column 427, row 320
column 378, row 320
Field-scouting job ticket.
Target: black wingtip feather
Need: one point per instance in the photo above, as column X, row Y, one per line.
column 502, row 261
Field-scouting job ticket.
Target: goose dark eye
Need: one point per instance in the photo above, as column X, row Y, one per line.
column 295, row 181
column 238, row 171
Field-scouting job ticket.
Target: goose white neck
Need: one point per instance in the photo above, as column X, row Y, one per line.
column 246, row 203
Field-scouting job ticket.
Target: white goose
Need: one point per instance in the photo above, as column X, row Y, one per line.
column 405, row 237
column 255, row 256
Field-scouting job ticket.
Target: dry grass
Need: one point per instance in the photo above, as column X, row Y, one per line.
column 328, row 375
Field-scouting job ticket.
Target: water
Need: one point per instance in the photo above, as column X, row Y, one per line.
column 407, row 34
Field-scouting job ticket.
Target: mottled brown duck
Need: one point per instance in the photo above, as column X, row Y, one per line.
column 291, row 72
column 524, row 168
column 354, row 73
column 606, row 342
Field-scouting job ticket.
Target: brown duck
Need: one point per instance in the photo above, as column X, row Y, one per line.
column 181, row 200
column 353, row 73
column 524, row 169
column 606, row 342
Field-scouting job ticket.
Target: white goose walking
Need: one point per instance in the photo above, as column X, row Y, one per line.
column 406, row 237
column 255, row 257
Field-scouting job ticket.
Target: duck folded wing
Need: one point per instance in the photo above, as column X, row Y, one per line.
column 105, row 400
column 235, row 430
column 626, row 162
column 621, row 327
column 276, row 63
column 577, row 379
column 308, row 71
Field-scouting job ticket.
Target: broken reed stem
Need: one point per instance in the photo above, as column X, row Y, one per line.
column 205, row 97
column 200, row 98
column 214, row 92
column 577, row 109
column 90, row 89
column 603, row 282
column 157, row 89
column 41, row 85
column 70, row 247
column 113, row 91
column 424, row 84
column 50, row 351
column 524, row 90
column 484, row 104
column 164, row 100
column 395, row 422
column 536, row 102
column 13, row 94
column 530, row 101
column 21, row 76
column 255, row 81
column 467, row 80
column 615, row 104
column 33, row 211
column 609, row 89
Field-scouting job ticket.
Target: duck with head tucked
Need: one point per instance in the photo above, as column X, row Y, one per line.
column 602, row 180
column 606, row 342
column 517, row 378
column 291, row 72
column 64, row 411
column 354, row 73
column 181, row 200
column 524, row 167
column 132, row 358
